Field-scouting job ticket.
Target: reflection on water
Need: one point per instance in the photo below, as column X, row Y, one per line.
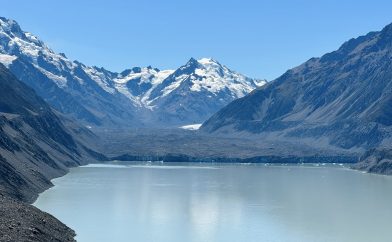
column 177, row 202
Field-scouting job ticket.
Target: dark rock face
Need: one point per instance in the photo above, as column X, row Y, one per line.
column 343, row 97
column 48, row 90
column 23, row 222
column 35, row 146
column 376, row 161
column 87, row 102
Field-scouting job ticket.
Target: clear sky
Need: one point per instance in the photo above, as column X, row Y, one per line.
column 258, row 38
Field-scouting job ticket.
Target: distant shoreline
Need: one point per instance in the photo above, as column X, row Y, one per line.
column 256, row 159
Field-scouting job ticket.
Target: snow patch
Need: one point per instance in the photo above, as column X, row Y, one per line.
column 99, row 78
column 146, row 75
column 260, row 83
column 174, row 85
column 59, row 80
column 7, row 59
column 216, row 78
column 207, row 61
column 191, row 127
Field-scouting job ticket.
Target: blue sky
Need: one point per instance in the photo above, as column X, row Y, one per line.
column 258, row 38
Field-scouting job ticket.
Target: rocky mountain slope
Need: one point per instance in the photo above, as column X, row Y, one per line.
column 376, row 161
column 82, row 92
column 342, row 99
column 36, row 145
column 134, row 97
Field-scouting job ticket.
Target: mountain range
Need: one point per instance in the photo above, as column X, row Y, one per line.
column 330, row 109
column 342, row 99
column 136, row 97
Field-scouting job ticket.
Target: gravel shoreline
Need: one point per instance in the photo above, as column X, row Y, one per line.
column 20, row 221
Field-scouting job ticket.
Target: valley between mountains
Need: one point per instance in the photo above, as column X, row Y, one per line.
column 57, row 113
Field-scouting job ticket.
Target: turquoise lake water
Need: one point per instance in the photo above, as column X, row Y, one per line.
column 221, row 203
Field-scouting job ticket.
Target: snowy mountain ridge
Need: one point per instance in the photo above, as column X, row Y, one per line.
column 135, row 92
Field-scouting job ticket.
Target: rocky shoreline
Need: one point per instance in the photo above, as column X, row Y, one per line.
column 377, row 161
column 256, row 159
column 20, row 221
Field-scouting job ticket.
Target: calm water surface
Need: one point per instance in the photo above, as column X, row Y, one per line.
column 221, row 203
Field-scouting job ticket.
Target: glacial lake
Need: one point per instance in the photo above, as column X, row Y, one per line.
column 141, row 202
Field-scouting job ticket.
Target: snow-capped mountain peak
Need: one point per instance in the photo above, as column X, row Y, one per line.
column 10, row 27
column 208, row 61
column 209, row 75
column 193, row 64
column 137, row 83
column 186, row 95
column 194, row 90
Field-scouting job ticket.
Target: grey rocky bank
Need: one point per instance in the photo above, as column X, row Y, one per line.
column 36, row 145
column 23, row 222
column 376, row 161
